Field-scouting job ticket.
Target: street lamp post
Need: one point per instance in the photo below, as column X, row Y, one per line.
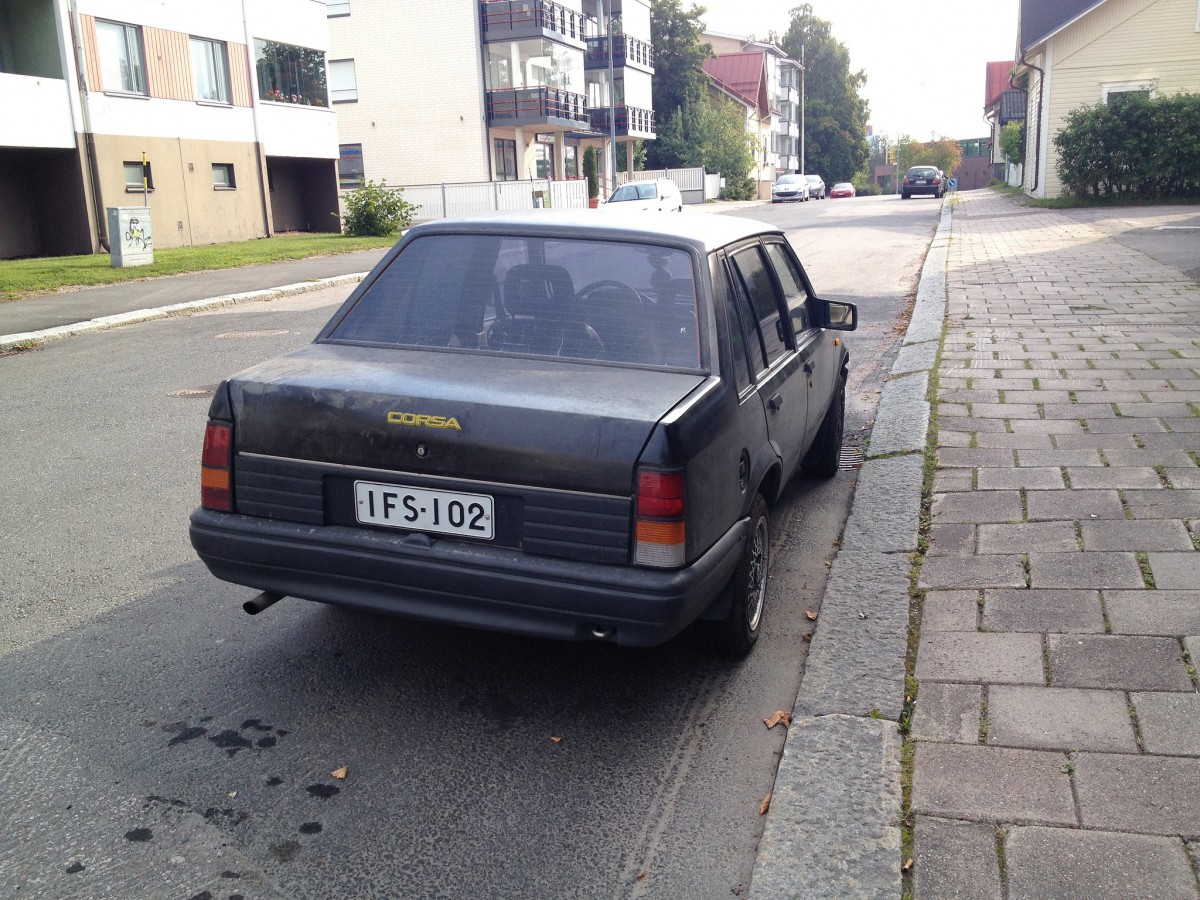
column 612, row 100
column 803, row 169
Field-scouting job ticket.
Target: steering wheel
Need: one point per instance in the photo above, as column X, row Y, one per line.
column 620, row 292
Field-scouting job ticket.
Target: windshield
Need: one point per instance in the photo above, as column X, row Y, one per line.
column 790, row 179
column 644, row 191
column 580, row 299
column 813, row 179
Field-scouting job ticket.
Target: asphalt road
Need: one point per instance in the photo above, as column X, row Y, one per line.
column 157, row 742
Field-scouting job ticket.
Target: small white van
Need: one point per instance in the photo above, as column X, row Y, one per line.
column 660, row 195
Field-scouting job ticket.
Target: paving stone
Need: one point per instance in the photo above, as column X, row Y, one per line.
column 1175, row 570
column 1169, row 723
column 1090, row 411
column 949, row 480
column 1043, row 718
column 887, row 506
column 1025, row 477
column 1170, row 456
column 902, row 422
column 1061, row 611
column 1006, row 411
column 950, row 611
column 1080, row 569
column 1073, row 505
column 1094, row 441
column 1117, row 662
column 977, row 507
column 965, row 423
column 1068, row 457
column 1046, row 863
column 1046, row 426
column 1023, row 442
column 1085, row 477
column 953, row 457
column 991, row 783
column 1153, row 410
column 972, row 572
column 1134, row 535
column 1148, row 794
column 954, row 859
column 1183, row 478
column 954, row 438
column 1047, row 536
column 1159, row 441
column 916, row 358
column 1124, row 426
column 947, row 712
column 1183, row 426
column 955, row 539
column 1164, row 504
column 975, row 657
column 1153, row 612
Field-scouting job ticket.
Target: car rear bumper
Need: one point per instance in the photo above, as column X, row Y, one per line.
column 476, row 585
column 922, row 188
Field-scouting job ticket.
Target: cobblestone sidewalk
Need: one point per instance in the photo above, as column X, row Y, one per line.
column 1057, row 722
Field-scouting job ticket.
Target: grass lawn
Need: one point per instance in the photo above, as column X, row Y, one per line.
column 21, row 277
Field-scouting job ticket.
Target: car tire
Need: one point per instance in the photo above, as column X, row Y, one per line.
column 905, row 196
column 824, row 457
column 736, row 634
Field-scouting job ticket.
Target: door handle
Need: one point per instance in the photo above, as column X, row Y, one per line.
column 775, row 402
column 808, row 367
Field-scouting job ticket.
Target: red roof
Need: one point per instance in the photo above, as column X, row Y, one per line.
column 997, row 81
column 743, row 74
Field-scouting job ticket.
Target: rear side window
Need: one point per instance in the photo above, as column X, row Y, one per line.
column 755, row 280
column 579, row 299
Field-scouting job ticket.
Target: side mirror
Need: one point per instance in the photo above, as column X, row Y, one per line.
column 841, row 316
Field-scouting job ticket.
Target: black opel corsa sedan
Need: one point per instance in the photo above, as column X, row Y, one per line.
column 547, row 423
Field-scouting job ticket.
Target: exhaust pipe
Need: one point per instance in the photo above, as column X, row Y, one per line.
column 261, row 602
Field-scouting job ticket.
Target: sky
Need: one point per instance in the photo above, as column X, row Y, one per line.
column 919, row 82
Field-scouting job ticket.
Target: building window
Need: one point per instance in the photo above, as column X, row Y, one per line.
column 133, row 177
column 337, row 8
column 210, row 70
column 122, row 64
column 343, row 87
column 223, row 179
column 1110, row 88
column 506, row 160
column 350, row 167
column 290, row 74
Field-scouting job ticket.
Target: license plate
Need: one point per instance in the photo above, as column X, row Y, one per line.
column 920, row 181
column 416, row 509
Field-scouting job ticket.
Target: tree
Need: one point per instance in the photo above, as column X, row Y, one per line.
column 712, row 134
column 942, row 153
column 835, row 116
column 1012, row 141
column 679, row 78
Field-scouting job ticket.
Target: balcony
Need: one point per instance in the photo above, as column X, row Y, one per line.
column 537, row 106
column 627, row 51
column 37, row 112
column 514, row 20
column 631, row 121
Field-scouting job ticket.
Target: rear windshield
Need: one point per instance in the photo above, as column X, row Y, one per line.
column 922, row 172
column 579, row 299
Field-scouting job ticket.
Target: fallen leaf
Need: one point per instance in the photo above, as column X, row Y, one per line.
column 765, row 805
column 340, row 774
column 908, row 864
column 807, row 638
column 810, row 615
column 777, row 717
column 641, row 876
column 556, row 740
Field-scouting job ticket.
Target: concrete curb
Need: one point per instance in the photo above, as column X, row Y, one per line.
column 834, row 826
column 32, row 338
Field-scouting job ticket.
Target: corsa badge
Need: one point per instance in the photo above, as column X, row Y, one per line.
column 422, row 420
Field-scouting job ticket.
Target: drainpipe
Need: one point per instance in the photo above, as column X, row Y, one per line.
column 1037, row 141
column 89, row 139
column 260, row 156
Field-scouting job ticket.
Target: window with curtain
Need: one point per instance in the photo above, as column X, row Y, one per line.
column 122, row 64
column 210, row 70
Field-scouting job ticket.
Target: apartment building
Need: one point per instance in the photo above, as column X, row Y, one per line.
column 226, row 102
column 768, row 83
column 439, row 91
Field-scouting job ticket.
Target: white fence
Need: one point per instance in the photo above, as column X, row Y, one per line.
column 437, row 201
column 694, row 184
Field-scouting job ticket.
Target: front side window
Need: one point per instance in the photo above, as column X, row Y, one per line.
column 290, row 74
column 343, row 84
column 122, row 64
column 223, row 176
column 794, row 294
column 567, row 298
column 210, row 70
column 756, row 281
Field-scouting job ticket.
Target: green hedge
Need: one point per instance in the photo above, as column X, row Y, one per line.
column 1132, row 147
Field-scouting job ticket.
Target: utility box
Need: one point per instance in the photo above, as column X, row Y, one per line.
column 130, row 236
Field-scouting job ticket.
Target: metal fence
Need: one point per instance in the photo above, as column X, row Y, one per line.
column 437, row 201
column 695, row 185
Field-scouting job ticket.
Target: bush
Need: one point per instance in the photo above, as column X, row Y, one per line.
column 376, row 210
column 867, row 189
column 1132, row 147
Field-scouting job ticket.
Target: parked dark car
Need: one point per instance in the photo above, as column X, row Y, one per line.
column 548, row 423
column 923, row 180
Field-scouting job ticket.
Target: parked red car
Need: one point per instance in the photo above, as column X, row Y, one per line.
column 842, row 189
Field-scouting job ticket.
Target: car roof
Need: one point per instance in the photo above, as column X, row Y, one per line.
column 703, row 231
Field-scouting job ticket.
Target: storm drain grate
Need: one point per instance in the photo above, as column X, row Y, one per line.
column 189, row 393
column 850, row 458
column 266, row 332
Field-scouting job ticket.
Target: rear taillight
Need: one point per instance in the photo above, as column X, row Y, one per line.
column 660, row 531
column 216, row 468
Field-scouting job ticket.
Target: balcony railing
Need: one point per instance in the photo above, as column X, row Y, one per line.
column 535, row 105
column 505, row 18
column 626, row 51
column 630, row 121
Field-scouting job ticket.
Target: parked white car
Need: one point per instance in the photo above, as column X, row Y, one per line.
column 816, row 187
column 660, row 195
column 789, row 187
